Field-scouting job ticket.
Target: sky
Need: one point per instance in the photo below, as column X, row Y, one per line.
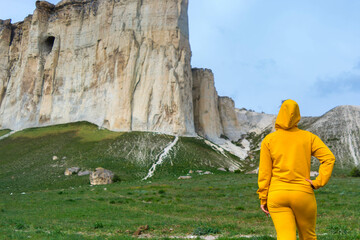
column 262, row 52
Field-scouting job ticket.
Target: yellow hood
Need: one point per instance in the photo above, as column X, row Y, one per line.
column 289, row 115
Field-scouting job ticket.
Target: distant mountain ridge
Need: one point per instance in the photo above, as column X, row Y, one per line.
column 338, row 128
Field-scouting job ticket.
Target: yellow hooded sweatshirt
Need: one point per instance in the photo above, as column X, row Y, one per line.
column 285, row 156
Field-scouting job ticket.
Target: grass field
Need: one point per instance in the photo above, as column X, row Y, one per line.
column 38, row 202
column 223, row 203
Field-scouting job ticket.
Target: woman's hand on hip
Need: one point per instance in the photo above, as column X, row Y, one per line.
column 265, row 209
column 308, row 180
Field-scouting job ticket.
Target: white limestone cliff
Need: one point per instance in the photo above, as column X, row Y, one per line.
column 229, row 120
column 123, row 65
column 206, row 109
column 251, row 121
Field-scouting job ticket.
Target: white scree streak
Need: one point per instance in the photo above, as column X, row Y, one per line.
column 216, row 148
column 161, row 158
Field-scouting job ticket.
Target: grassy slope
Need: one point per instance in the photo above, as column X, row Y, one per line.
column 27, row 156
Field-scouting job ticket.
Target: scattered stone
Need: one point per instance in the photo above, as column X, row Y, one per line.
column 137, row 232
column 63, row 158
column 184, row 177
column 255, row 171
column 55, row 158
column 140, row 230
column 314, row 174
column 191, row 171
column 207, row 172
column 83, row 173
column 199, row 171
column 101, row 176
column 71, row 171
column 222, row 169
column 23, row 193
column 233, row 169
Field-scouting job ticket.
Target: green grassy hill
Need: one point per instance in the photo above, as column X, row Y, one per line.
column 27, row 156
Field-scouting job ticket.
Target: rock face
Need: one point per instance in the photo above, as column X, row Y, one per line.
column 339, row 129
column 123, row 65
column 229, row 120
column 205, row 98
column 251, row 121
column 214, row 116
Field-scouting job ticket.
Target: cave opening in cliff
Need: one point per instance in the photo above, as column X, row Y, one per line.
column 48, row 44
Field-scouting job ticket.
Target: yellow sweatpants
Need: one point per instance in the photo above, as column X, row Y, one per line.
column 290, row 210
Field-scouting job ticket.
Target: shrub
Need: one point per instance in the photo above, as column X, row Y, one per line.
column 203, row 230
column 355, row 172
column 98, row 225
column 240, row 208
column 116, row 178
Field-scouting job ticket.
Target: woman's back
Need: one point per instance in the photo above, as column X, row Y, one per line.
column 285, row 156
column 285, row 188
column 290, row 152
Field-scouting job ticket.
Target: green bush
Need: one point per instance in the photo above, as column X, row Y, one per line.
column 116, row 178
column 203, row 230
column 240, row 208
column 355, row 172
column 98, row 225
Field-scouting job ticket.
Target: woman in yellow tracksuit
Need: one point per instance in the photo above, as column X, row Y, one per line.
column 285, row 189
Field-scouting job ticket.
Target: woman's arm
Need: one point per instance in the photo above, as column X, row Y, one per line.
column 327, row 160
column 265, row 171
